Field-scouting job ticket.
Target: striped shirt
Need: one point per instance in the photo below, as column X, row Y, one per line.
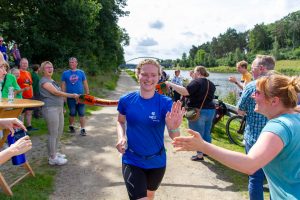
column 254, row 121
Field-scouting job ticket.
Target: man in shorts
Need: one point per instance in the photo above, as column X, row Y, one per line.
column 74, row 81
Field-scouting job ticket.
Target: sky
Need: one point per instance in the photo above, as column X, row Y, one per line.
column 166, row 29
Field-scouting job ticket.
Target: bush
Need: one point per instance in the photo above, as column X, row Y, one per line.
column 297, row 52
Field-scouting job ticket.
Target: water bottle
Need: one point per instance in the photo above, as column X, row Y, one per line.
column 19, row 159
column 11, row 95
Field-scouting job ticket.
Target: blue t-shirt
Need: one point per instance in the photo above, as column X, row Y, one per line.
column 145, row 125
column 283, row 172
column 254, row 121
column 74, row 81
column 3, row 51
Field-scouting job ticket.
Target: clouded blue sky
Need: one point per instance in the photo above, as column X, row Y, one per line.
column 167, row 28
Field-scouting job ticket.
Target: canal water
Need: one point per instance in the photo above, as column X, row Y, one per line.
column 223, row 86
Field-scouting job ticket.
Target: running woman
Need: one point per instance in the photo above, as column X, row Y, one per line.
column 145, row 114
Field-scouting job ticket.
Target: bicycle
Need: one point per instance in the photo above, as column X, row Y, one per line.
column 235, row 125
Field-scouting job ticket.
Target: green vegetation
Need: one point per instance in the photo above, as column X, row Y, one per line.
column 287, row 67
column 57, row 30
column 132, row 74
column 41, row 186
column 280, row 39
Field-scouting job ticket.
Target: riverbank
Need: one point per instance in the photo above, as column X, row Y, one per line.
column 287, row 67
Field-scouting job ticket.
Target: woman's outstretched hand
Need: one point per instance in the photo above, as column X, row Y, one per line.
column 174, row 118
column 189, row 143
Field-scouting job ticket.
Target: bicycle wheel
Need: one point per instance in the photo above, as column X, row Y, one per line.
column 235, row 129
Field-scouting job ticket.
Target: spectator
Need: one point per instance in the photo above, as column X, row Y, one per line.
column 74, row 81
column 241, row 67
column 277, row 149
column 16, row 54
column 255, row 122
column 3, row 49
column 25, row 80
column 52, row 110
column 35, row 88
column 178, row 81
column 195, row 94
column 10, row 81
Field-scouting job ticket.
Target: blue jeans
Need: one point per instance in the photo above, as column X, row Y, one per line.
column 256, row 181
column 75, row 108
column 203, row 125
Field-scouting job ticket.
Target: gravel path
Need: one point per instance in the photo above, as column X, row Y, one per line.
column 94, row 168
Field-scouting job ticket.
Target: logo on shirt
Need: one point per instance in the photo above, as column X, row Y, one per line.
column 153, row 117
column 74, row 78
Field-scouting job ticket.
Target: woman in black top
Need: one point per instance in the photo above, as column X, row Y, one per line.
column 195, row 94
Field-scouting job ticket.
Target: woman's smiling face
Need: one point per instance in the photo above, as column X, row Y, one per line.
column 148, row 77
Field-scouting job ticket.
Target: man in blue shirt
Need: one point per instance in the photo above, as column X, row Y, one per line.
column 178, row 81
column 3, row 49
column 74, row 81
column 254, row 121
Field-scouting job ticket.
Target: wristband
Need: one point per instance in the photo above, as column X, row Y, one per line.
column 174, row 130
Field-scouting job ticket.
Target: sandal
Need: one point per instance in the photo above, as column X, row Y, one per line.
column 196, row 158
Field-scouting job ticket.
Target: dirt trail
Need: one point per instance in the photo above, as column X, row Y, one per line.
column 94, row 167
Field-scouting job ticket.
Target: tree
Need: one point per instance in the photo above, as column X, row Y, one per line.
column 259, row 38
column 200, row 56
column 55, row 30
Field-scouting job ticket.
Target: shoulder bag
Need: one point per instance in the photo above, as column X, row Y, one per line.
column 193, row 114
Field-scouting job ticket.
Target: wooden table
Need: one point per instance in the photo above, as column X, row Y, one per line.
column 14, row 110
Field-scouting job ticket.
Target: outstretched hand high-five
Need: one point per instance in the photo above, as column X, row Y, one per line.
column 189, row 143
column 174, row 118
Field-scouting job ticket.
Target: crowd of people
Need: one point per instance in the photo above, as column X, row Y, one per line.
column 269, row 103
column 29, row 85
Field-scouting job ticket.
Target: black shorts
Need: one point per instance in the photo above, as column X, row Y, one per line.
column 139, row 180
column 26, row 109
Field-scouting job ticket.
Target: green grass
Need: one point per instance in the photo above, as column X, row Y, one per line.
column 41, row 186
column 34, row 188
column 132, row 74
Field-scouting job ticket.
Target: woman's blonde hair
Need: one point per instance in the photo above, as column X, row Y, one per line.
column 281, row 86
column 146, row 62
column 201, row 70
column 42, row 68
column 5, row 65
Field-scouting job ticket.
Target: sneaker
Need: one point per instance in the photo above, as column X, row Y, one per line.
column 83, row 132
column 60, row 155
column 30, row 128
column 57, row 161
column 72, row 129
column 196, row 158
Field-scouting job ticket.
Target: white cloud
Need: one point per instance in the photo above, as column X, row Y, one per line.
column 156, row 25
column 147, row 42
column 168, row 28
